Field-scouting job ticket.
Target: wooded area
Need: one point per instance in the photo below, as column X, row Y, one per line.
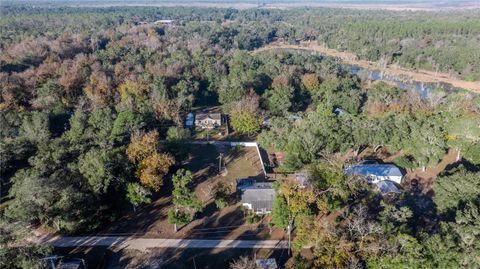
column 89, row 96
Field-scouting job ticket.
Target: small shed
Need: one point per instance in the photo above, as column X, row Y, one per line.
column 376, row 172
column 266, row 263
column 189, row 120
column 340, row 112
column 303, row 179
column 164, row 22
column 258, row 197
column 387, row 187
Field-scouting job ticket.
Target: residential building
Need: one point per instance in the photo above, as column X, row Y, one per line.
column 257, row 196
column 375, row 172
column 208, row 120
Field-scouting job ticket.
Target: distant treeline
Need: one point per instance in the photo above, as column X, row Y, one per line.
column 437, row 41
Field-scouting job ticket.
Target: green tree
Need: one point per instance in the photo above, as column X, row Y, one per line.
column 126, row 123
column 35, row 127
column 221, row 195
column 137, row 195
column 177, row 134
column 279, row 100
column 96, row 166
column 455, row 187
column 15, row 250
column 280, row 212
column 178, row 218
column 182, row 195
column 245, row 115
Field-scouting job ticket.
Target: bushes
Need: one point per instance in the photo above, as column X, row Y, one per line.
column 405, row 162
column 179, row 218
column 252, row 218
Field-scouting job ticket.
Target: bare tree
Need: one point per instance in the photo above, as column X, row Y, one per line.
column 244, row 262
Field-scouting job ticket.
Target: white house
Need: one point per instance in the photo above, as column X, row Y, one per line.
column 208, row 120
column 376, row 172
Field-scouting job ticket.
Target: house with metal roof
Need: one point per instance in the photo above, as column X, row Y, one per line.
column 257, row 196
column 375, row 172
column 208, row 120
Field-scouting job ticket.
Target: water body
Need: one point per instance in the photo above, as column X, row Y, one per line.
column 423, row 88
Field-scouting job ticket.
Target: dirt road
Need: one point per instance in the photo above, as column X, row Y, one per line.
column 391, row 70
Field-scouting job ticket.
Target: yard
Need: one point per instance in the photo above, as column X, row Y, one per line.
column 190, row 258
column 229, row 223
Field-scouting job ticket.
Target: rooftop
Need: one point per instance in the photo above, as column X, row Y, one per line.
column 385, row 170
column 259, row 194
column 387, row 186
column 213, row 116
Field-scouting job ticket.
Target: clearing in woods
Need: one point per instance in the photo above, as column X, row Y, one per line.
column 228, row 223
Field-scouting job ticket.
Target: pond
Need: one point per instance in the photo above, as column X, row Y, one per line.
column 423, row 88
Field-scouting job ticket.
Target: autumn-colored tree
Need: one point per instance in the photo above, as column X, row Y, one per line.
column 298, row 199
column 281, row 81
column 142, row 146
column 245, row 114
column 98, row 88
column 310, row 82
column 152, row 165
column 153, row 169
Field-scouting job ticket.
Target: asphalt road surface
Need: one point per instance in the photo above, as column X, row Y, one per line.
column 136, row 243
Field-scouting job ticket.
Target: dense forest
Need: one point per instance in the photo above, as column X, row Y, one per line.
column 93, row 102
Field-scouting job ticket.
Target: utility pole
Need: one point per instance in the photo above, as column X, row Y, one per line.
column 220, row 163
column 226, row 124
column 175, row 224
column 289, row 228
column 194, row 264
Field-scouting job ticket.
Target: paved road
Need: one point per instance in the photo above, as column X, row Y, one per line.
column 145, row 243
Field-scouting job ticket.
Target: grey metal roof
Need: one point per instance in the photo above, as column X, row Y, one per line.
column 387, row 186
column 302, row 178
column 213, row 116
column 260, row 195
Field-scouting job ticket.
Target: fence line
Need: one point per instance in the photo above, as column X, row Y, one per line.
column 233, row 144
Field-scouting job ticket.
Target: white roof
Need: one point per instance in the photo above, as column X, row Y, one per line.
column 266, row 263
column 387, row 186
column 376, row 172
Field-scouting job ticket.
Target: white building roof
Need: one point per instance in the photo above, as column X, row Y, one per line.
column 376, row 172
column 387, row 186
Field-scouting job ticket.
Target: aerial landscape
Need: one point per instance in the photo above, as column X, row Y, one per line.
column 239, row 134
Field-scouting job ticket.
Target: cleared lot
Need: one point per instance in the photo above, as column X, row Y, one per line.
column 229, row 223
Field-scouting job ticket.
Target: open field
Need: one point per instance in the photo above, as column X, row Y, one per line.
column 229, row 223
